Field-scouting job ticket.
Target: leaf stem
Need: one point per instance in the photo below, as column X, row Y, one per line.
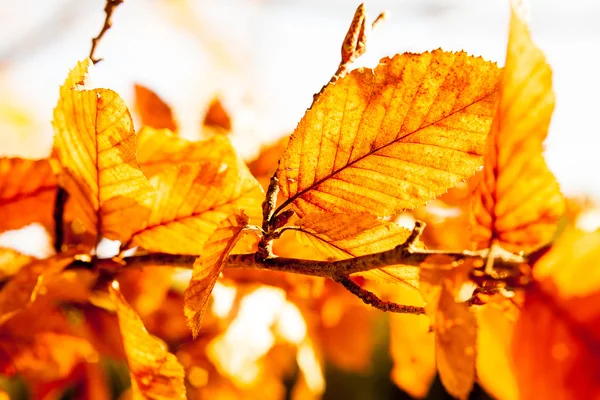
column 59, row 210
column 110, row 7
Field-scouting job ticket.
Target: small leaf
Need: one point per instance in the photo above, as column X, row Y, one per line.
column 94, row 157
column 390, row 139
column 557, row 336
column 518, row 201
column 208, row 267
column 217, row 117
column 154, row 112
column 27, row 192
column 11, row 261
column 155, row 372
column 340, row 236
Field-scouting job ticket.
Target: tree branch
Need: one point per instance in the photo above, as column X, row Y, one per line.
column 59, row 209
column 110, row 7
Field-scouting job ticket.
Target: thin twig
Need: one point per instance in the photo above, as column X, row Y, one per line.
column 59, row 209
column 371, row 298
column 110, row 7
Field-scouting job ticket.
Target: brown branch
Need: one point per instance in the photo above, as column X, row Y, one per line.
column 59, row 209
column 110, row 7
column 371, row 299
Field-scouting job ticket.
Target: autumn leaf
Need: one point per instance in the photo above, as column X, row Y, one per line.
column 155, row 373
column 159, row 149
column 455, row 328
column 208, row 267
column 21, row 290
column 340, row 236
column 390, row 139
column 11, row 261
column 518, row 202
column 27, row 192
column 94, row 157
column 556, row 339
column 154, row 112
column 217, row 117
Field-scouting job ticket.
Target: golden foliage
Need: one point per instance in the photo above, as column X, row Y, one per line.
column 154, row 112
column 208, row 267
column 155, row 373
column 94, row 158
column 27, row 191
column 390, row 139
column 518, row 202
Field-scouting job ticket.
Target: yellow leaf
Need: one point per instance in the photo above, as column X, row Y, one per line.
column 340, row 236
column 208, row 267
column 455, row 328
column 411, row 347
column 155, row 372
column 11, row 261
column 217, row 117
column 27, row 192
column 392, row 138
column 158, row 149
column 194, row 198
column 94, row 157
column 518, row 202
column 21, row 290
column 154, row 112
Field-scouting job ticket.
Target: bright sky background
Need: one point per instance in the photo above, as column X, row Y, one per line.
column 266, row 59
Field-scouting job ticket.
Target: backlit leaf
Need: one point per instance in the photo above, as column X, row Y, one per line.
column 217, row 117
column 155, row 373
column 557, row 337
column 518, row 202
column 12, row 261
column 194, row 198
column 341, row 236
column 154, row 112
column 94, row 157
column 392, row 138
column 208, row 267
column 27, row 193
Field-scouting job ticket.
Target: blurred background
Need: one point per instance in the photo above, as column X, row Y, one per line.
column 265, row 59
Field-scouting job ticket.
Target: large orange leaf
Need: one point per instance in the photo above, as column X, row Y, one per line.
column 21, row 290
column 340, row 236
column 153, row 110
column 27, row 192
column 390, row 139
column 194, row 199
column 155, row 372
column 518, row 202
column 208, row 267
column 94, row 156
column 158, row 149
column 557, row 337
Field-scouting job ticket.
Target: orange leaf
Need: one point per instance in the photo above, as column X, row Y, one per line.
column 94, row 157
column 392, row 138
column 155, row 373
column 159, row 149
column 556, row 339
column 21, row 290
column 518, row 202
column 208, row 267
column 340, row 236
column 217, row 116
column 27, row 192
column 154, row 111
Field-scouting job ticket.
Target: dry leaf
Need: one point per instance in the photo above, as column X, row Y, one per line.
column 341, row 236
column 155, row 373
column 194, row 199
column 518, row 201
column 208, row 267
column 94, row 157
column 27, row 193
column 557, row 337
column 217, row 117
column 154, row 112
column 390, row 139
column 21, row 290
